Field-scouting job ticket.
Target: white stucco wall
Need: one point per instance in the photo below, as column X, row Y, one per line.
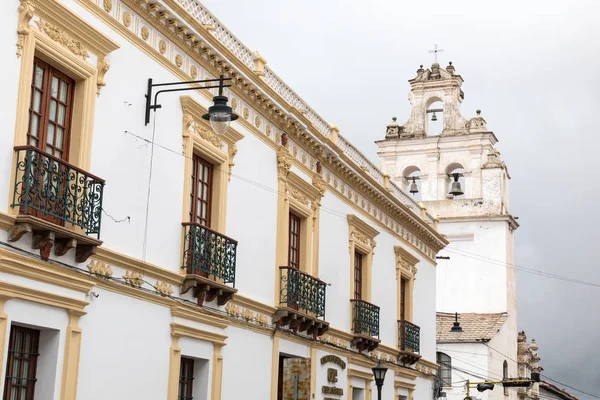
column 125, row 340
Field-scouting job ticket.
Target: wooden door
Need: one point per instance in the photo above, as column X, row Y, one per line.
column 49, row 127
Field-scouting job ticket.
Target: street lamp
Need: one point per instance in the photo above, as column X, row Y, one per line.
column 379, row 375
column 456, row 329
column 220, row 114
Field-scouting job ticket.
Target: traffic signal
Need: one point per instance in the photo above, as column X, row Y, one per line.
column 482, row 387
column 516, row 382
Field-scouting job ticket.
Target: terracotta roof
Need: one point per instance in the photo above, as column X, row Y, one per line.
column 476, row 327
column 562, row 393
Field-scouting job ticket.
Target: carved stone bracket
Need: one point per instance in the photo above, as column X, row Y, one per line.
column 364, row 343
column 408, row 357
column 26, row 12
column 103, row 67
column 300, row 322
column 205, row 289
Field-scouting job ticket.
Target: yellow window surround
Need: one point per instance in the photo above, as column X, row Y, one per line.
column 304, row 199
column 64, row 40
column 361, row 238
column 405, row 269
column 218, row 341
column 199, row 138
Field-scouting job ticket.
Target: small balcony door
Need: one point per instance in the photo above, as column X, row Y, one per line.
column 50, row 112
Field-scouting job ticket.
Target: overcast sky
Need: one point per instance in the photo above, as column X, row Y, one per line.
column 530, row 66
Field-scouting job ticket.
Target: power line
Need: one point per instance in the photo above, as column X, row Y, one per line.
column 571, row 387
column 516, row 267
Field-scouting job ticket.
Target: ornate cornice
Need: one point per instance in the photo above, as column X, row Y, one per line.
column 203, row 51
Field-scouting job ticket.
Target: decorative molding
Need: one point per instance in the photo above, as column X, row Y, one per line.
column 11, row 290
column 135, row 279
column 246, row 314
column 180, row 330
column 26, row 12
column 198, row 315
column 163, row 288
column 367, row 376
column 64, row 39
column 362, row 232
column 100, row 268
column 103, row 67
column 420, row 235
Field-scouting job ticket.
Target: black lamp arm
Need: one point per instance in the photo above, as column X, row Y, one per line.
column 149, row 106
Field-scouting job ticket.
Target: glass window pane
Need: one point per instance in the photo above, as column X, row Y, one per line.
column 50, row 139
column 62, row 110
column 52, row 112
column 37, row 101
column 39, row 76
column 59, row 138
column 35, row 125
column 63, row 91
column 54, row 90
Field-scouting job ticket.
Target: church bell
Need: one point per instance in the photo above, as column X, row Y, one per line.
column 456, row 190
column 413, row 187
column 434, row 117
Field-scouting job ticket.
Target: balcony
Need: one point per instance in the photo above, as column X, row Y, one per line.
column 59, row 203
column 365, row 325
column 209, row 263
column 409, row 342
column 301, row 302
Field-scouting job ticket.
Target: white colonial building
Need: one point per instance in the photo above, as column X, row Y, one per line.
column 163, row 261
column 458, row 176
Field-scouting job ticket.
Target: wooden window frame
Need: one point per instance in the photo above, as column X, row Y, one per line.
column 17, row 356
column 361, row 238
column 186, row 383
column 197, row 162
column 50, row 71
column 406, row 271
column 295, row 222
column 358, row 275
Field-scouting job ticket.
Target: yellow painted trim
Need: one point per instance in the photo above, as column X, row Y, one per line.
column 135, row 293
column 368, row 376
column 174, row 367
column 361, row 238
column 430, row 364
column 38, row 44
column 37, row 296
column 274, row 367
column 71, row 359
column 297, row 195
column 253, row 305
column 3, row 330
column 7, row 221
column 405, row 373
column 28, row 267
column 136, row 265
column 181, row 330
column 217, row 377
column 355, row 359
column 77, row 27
column 197, row 315
column 404, row 385
column 313, row 371
column 405, row 269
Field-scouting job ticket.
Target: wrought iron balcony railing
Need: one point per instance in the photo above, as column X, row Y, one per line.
column 303, row 292
column 208, row 253
column 409, row 336
column 52, row 189
column 365, row 318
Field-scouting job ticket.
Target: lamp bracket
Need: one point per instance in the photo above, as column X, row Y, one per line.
column 219, row 84
column 434, row 110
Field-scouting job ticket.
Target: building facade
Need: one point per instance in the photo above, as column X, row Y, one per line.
column 159, row 260
column 458, row 175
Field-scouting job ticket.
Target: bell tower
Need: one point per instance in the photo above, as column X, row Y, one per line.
column 460, row 178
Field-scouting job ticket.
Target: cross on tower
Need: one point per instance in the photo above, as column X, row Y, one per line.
column 435, row 52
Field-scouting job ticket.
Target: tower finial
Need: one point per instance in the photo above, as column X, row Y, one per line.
column 435, row 52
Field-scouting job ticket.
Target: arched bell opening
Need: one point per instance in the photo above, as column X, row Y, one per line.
column 411, row 182
column 455, row 181
column 434, row 117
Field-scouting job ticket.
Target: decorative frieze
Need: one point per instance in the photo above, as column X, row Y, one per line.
column 100, row 268
column 248, row 315
column 64, row 39
column 134, row 279
column 163, row 288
